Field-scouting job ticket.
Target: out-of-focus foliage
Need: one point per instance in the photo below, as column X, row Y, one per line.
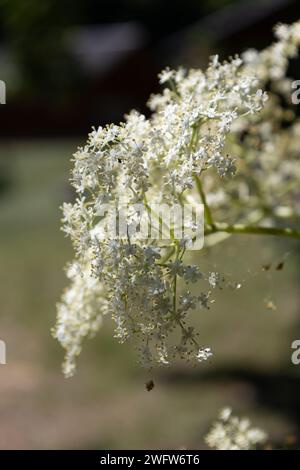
column 34, row 31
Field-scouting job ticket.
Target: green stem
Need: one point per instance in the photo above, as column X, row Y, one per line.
column 252, row 229
column 175, row 282
column 207, row 211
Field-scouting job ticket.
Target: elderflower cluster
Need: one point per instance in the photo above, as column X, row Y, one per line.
column 266, row 187
column 233, row 433
column 79, row 313
column 205, row 127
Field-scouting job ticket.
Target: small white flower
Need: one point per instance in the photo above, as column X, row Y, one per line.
column 204, row 354
column 167, row 75
column 225, row 414
column 233, row 433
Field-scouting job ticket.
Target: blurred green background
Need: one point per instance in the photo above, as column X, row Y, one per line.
column 106, row 404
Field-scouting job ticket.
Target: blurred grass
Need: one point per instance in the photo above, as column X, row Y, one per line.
column 106, row 404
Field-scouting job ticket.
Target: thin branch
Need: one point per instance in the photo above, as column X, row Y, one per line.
column 252, row 229
column 207, row 211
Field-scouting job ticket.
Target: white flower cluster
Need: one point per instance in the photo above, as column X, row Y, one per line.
column 80, row 313
column 194, row 115
column 272, row 62
column 266, row 186
column 204, row 125
column 233, row 433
